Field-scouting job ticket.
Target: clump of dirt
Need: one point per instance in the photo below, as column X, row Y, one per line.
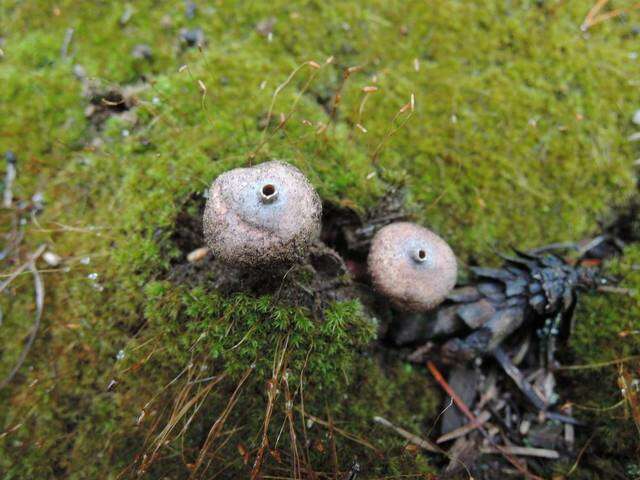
column 106, row 101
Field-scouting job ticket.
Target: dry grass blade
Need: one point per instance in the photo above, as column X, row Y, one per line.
column 39, row 296
column 600, row 364
column 580, row 454
column 593, row 12
column 216, row 428
column 272, row 393
column 12, row 276
column 345, row 434
column 186, row 401
column 296, row 466
column 630, row 394
column 523, row 451
column 483, row 417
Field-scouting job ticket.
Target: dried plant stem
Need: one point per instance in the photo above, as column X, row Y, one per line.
column 416, row 440
column 600, row 364
column 184, row 402
column 12, row 276
column 39, row 295
column 216, row 428
column 297, row 472
column 272, row 393
column 353, row 438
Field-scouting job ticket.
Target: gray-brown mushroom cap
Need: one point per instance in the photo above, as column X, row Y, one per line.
column 412, row 266
column 268, row 213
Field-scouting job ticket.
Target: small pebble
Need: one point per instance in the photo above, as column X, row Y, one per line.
column 190, row 9
column 79, row 72
column 142, row 51
column 197, row 254
column 166, row 21
column 51, row 258
column 634, row 137
column 265, row 27
column 10, row 157
column 192, row 37
column 636, row 117
column 126, row 15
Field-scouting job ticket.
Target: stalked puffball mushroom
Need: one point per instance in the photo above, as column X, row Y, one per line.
column 411, row 266
column 266, row 214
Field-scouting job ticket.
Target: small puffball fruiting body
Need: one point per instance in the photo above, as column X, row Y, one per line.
column 412, row 266
column 265, row 214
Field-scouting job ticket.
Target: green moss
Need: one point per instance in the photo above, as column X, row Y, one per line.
column 607, row 328
column 518, row 137
column 604, row 346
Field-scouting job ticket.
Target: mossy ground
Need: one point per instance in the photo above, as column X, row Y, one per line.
column 519, row 137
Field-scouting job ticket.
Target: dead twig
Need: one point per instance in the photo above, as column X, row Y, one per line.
column 463, row 430
column 516, row 375
column 39, row 295
column 22, row 267
column 525, row 387
column 9, row 178
column 523, row 451
column 420, row 442
column 464, row 409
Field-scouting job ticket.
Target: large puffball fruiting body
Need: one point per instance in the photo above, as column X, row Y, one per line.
column 265, row 214
column 412, row 266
